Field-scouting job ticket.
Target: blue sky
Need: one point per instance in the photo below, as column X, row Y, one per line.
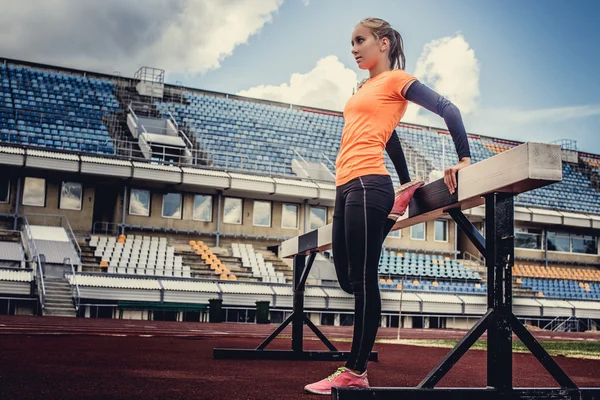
column 532, row 54
column 523, row 70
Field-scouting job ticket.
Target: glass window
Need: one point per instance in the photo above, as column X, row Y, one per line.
column 171, row 205
column 559, row 242
column 139, row 202
column 289, row 216
column 417, row 232
column 71, row 195
column 34, row 192
column 232, row 211
column 528, row 238
column 318, row 216
column 440, row 229
column 261, row 216
column 584, row 244
column 4, row 190
column 394, row 234
column 202, row 208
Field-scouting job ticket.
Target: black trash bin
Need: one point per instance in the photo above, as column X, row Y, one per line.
column 262, row 312
column 215, row 310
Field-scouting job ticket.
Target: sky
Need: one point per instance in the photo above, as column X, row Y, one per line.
column 521, row 70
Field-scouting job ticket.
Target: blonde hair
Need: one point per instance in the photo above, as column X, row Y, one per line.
column 381, row 29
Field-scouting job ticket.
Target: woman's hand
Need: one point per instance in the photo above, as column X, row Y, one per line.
column 450, row 173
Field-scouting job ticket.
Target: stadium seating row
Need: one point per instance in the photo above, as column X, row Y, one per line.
column 255, row 261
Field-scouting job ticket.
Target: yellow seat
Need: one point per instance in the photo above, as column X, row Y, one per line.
column 399, row 286
column 232, row 278
column 192, row 243
column 389, row 281
column 382, row 281
column 104, row 263
column 223, row 276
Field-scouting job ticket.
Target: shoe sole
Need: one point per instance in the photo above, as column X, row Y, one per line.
column 413, row 184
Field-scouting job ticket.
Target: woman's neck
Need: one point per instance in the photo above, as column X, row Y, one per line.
column 378, row 69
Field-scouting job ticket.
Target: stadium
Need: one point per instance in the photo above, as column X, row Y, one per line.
column 127, row 198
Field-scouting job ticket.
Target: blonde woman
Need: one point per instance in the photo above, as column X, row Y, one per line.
column 366, row 206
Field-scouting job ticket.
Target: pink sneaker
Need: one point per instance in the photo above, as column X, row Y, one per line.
column 403, row 195
column 343, row 377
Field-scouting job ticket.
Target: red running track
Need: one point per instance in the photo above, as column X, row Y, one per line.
column 112, row 361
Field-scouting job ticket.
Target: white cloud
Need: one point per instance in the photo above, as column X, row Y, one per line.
column 190, row 36
column 328, row 85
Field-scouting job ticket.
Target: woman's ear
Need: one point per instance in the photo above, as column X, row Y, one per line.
column 384, row 44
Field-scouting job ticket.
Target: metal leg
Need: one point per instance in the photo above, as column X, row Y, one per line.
column 543, row 357
column 297, row 318
column 319, row 334
column 499, row 255
column 457, row 352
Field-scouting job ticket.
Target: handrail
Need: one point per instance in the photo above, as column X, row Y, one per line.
column 472, row 257
column 185, row 138
column 132, row 113
column 77, row 292
column 72, row 236
column 173, row 119
column 40, row 282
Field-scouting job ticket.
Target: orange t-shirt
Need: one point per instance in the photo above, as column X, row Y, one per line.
column 370, row 116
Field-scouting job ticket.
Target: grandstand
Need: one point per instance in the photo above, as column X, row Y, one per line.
column 125, row 197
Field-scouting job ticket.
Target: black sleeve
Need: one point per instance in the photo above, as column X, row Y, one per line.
column 394, row 150
column 420, row 94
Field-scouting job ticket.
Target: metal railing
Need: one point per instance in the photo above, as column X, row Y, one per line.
column 106, row 228
column 76, row 294
column 39, row 278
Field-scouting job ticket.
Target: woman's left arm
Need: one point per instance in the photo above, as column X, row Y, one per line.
column 420, row 94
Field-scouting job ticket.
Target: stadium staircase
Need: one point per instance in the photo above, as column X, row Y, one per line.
column 59, row 300
column 200, row 269
column 278, row 264
column 87, row 254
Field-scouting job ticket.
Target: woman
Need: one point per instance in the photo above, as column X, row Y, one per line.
column 365, row 206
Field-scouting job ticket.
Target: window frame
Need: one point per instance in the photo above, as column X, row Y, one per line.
column 424, row 232
column 241, row 211
column 60, row 197
column 45, row 192
column 149, row 202
column 162, row 208
column 297, row 215
column 270, row 213
column 194, row 208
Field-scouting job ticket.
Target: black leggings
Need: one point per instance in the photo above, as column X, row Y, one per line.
column 360, row 225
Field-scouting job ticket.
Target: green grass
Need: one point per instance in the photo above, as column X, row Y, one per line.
column 566, row 348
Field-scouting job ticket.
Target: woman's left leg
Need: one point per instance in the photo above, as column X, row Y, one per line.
column 366, row 211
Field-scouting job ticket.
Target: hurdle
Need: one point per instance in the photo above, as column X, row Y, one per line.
column 493, row 183
column 523, row 168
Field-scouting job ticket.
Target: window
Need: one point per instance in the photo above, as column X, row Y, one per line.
column 71, row 195
column 4, row 190
column 318, row 216
column 528, row 238
column 417, row 232
column 139, row 202
column 584, row 244
column 440, row 228
column 394, row 234
column 559, row 242
column 34, row 192
column 171, row 206
column 289, row 216
column 261, row 216
column 232, row 211
column 202, row 208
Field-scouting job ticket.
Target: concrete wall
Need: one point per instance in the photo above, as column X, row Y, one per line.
column 406, row 242
column 80, row 220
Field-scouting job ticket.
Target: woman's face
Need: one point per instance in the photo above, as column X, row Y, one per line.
column 366, row 49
